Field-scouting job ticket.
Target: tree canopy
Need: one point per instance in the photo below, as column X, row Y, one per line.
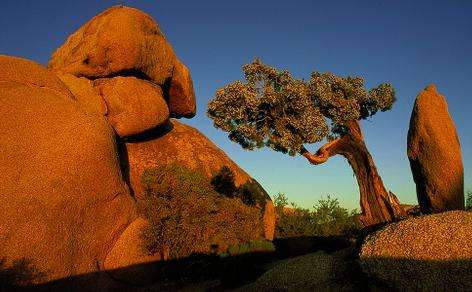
column 272, row 108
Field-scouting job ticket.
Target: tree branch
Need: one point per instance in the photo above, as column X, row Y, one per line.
column 324, row 153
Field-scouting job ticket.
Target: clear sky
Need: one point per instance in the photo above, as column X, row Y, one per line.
column 407, row 43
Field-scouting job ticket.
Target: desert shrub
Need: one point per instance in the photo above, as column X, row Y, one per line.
column 251, row 246
column 332, row 219
column 187, row 216
column 223, row 182
column 250, row 193
column 280, row 201
column 327, row 218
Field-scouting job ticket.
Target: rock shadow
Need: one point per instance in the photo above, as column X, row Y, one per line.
column 146, row 136
column 19, row 273
column 215, row 273
column 151, row 134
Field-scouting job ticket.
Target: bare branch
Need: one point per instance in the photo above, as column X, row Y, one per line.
column 323, row 154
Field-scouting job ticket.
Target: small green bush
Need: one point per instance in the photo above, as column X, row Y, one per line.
column 332, row 219
column 327, row 218
column 187, row 216
column 250, row 247
column 250, row 193
column 223, row 182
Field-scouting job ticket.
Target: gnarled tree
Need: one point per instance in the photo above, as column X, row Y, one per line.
column 273, row 109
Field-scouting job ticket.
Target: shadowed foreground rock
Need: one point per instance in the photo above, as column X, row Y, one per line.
column 312, row 272
column 435, row 154
column 429, row 253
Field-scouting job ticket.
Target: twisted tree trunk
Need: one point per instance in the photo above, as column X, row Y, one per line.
column 377, row 205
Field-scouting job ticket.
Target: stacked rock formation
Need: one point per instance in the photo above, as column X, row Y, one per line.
column 435, row 154
column 63, row 201
column 125, row 57
column 429, row 253
column 76, row 137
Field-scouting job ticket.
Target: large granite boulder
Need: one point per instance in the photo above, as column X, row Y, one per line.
column 134, row 106
column 310, row 272
column 118, row 41
column 27, row 72
column 435, row 154
column 429, row 253
column 124, row 41
column 63, row 200
column 181, row 98
column 82, row 89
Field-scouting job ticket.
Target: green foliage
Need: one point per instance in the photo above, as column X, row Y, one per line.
column 223, row 182
column 250, row 193
column 246, row 194
column 250, row 247
column 332, row 219
column 326, row 218
column 295, row 221
column 187, row 216
column 280, row 201
column 273, row 109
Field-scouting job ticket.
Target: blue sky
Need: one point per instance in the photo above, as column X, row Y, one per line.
column 407, row 43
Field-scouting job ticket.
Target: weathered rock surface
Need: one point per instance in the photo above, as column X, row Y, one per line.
column 82, row 89
column 269, row 219
column 429, row 253
column 127, row 259
column 119, row 41
column 124, row 41
column 311, row 272
column 435, row 154
column 27, row 72
column 63, row 201
column 181, row 95
column 66, row 206
column 133, row 105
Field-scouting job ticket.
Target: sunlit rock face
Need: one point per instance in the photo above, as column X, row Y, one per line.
column 133, row 105
column 118, row 41
column 63, row 201
column 435, row 154
column 429, row 253
column 124, row 41
column 75, row 138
